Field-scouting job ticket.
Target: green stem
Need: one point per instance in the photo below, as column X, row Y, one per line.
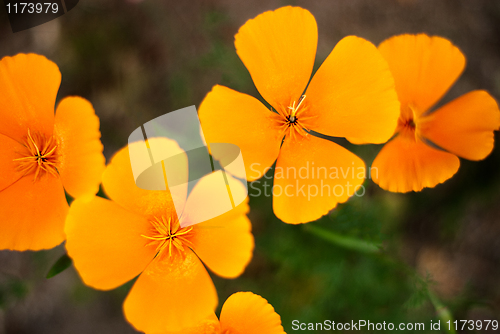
column 362, row 246
column 442, row 312
column 343, row 241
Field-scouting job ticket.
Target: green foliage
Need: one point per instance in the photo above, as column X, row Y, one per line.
column 63, row 263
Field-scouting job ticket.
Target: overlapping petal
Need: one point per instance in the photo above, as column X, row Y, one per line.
column 208, row 326
column 405, row 165
column 119, row 184
column 28, row 86
column 229, row 233
column 424, row 68
column 172, row 295
column 32, row 214
column 248, row 313
column 278, row 49
column 81, row 161
column 352, row 94
column 464, row 126
column 105, row 242
column 312, row 176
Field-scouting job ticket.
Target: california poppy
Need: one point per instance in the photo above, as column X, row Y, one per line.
column 138, row 232
column 427, row 142
column 42, row 154
column 242, row 313
column 351, row 95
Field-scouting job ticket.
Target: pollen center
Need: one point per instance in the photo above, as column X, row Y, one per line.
column 39, row 157
column 292, row 119
column 167, row 235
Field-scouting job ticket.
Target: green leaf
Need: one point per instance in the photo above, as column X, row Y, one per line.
column 61, row 265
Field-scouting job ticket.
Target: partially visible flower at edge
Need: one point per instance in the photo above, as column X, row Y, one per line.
column 42, row 154
column 352, row 95
column 427, row 142
column 138, row 232
column 242, row 313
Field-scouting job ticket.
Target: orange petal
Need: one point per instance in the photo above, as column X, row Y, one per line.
column 208, row 326
column 404, row 165
column 9, row 150
column 424, row 68
column 230, row 117
column 312, row 175
column 32, row 214
column 245, row 312
column 278, row 49
column 105, row 242
column 119, row 185
column 352, row 94
column 29, row 85
column 464, row 126
column 224, row 243
column 171, row 294
column 81, row 159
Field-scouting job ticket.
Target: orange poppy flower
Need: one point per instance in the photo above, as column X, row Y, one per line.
column 424, row 150
column 42, row 154
column 242, row 313
column 351, row 95
column 138, row 232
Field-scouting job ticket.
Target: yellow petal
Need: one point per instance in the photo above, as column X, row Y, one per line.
column 28, row 86
column 424, row 68
column 208, row 326
column 81, row 160
column 119, row 184
column 171, row 294
column 312, row 175
column 248, row 313
column 278, row 49
column 32, row 214
column 230, row 117
column 464, row 126
column 404, row 165
column 104, row 241
column 352, row 94
column 224, row 243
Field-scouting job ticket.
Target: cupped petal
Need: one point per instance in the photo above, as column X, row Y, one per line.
column 246, row 312
column 224, row 243
column 81, row 161
column 105, row 242
column 171, row 294
column 278, row 49
column 32, row 214
column 9, row 169
column 313, row 175
column 228, row 116
column 119, row 183
column 464, row 126
column 208, row 326
column 405, row 165
column 352, row 94
column 424, row 68
column 28, row 86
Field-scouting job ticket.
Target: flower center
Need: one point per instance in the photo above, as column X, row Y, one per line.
column 292, row 120
column 406, row 123
column 39, row 157
column 168, row 234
